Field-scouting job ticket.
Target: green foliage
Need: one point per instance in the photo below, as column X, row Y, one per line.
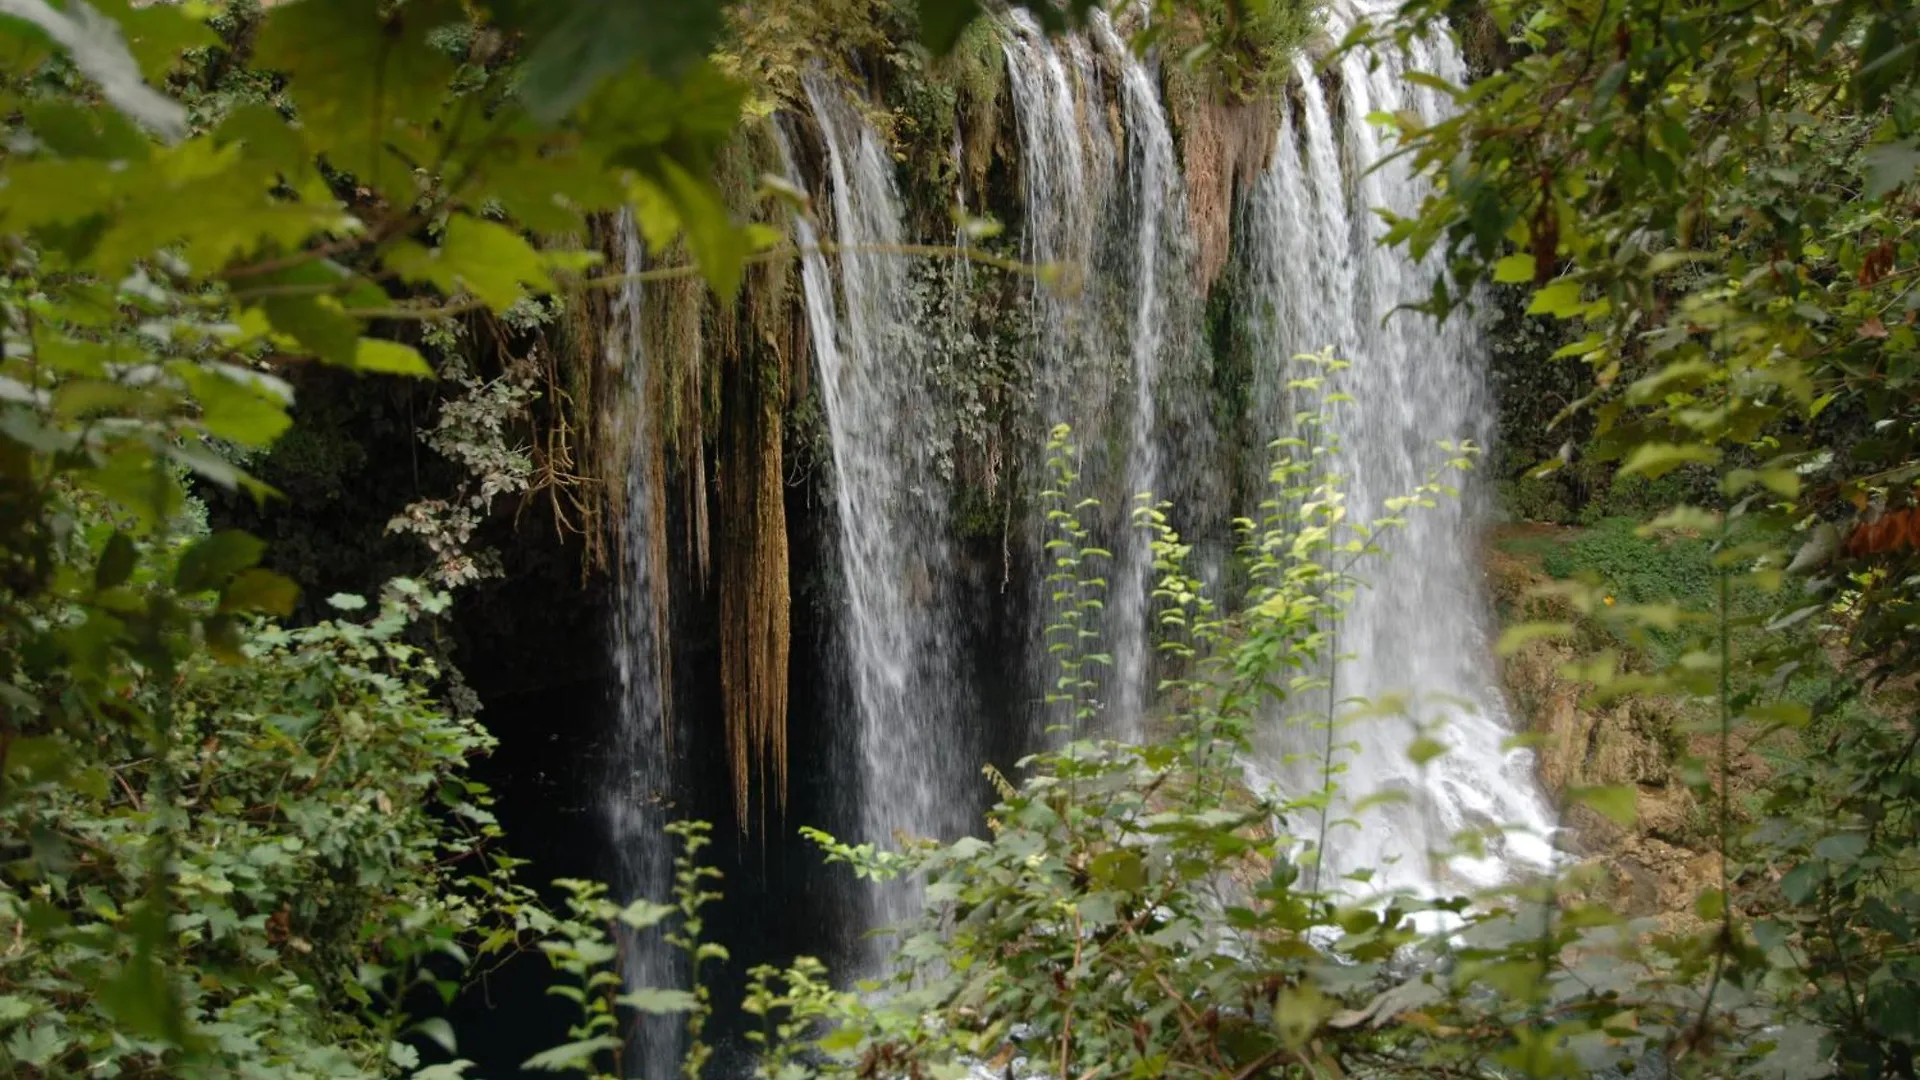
column 1715, row 200
column 580, row 946
column 315, row 818
column 1634, row 568
column 1141, row 910
column 228, row 845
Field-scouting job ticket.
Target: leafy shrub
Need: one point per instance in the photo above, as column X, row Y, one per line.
column 320, row 844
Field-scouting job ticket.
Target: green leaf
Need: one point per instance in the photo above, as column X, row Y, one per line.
column 643, row 913
column 158, row 35
column 1801, row 883
column 99, row 51
column 659, row 1002
column 575, row 44
column 1424, row 749
column 1891, row 166
column 490, row 260
column 260, row 590
column 74, row 130
column 318, row 324
column 547, row 194
column 39, row 759
column 569, row 1057
column 718, row 245
column 437, row 1029
column 1841, row 847
column 213, row 560
column 390, row 357
column 359, row 71
column 1656, row 459
column 1515, row 638
column 142, row 998
column 137, row 483
column 1617, row 802
column 1098, row 909
column 1560, row 300
column 116, row 562
column 1514, row 269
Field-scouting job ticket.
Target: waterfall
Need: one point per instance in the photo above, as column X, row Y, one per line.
column 1112, row 219
column 1115, row 351
column 636, row 787
column 917, row 762
column 1157, row 209
column 1417, row 627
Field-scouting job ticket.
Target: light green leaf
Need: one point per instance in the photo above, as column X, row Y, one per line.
column 490, row 260
column 1424, row 749
column 1514, row 269
column 37, row 1045
column 1560, row 299
column 1120, row 868
column 1657, row 459
column 642, row 914
column 437, row 1029
column 239, row 411
column 390, row 357
column 573, row 1056
column 1298, row 1013
column 718, row 245
column 14, row 1008
column 1515, row 638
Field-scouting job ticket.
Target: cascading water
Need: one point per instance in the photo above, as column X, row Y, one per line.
column 1321, row 278
column 1113, row 221
column 1065, row 189
column 917, row 760
column 1157, row 208
column 636, row 787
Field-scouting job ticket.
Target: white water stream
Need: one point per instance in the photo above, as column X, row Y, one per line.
column 1417, row 632
column 637, row 785
column 876, row 385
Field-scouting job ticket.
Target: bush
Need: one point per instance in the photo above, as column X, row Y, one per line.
column 319, row 841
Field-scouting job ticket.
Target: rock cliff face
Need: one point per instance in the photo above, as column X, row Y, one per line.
column 1662, row 863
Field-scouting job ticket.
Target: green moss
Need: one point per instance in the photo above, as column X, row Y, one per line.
column 1243, row 50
